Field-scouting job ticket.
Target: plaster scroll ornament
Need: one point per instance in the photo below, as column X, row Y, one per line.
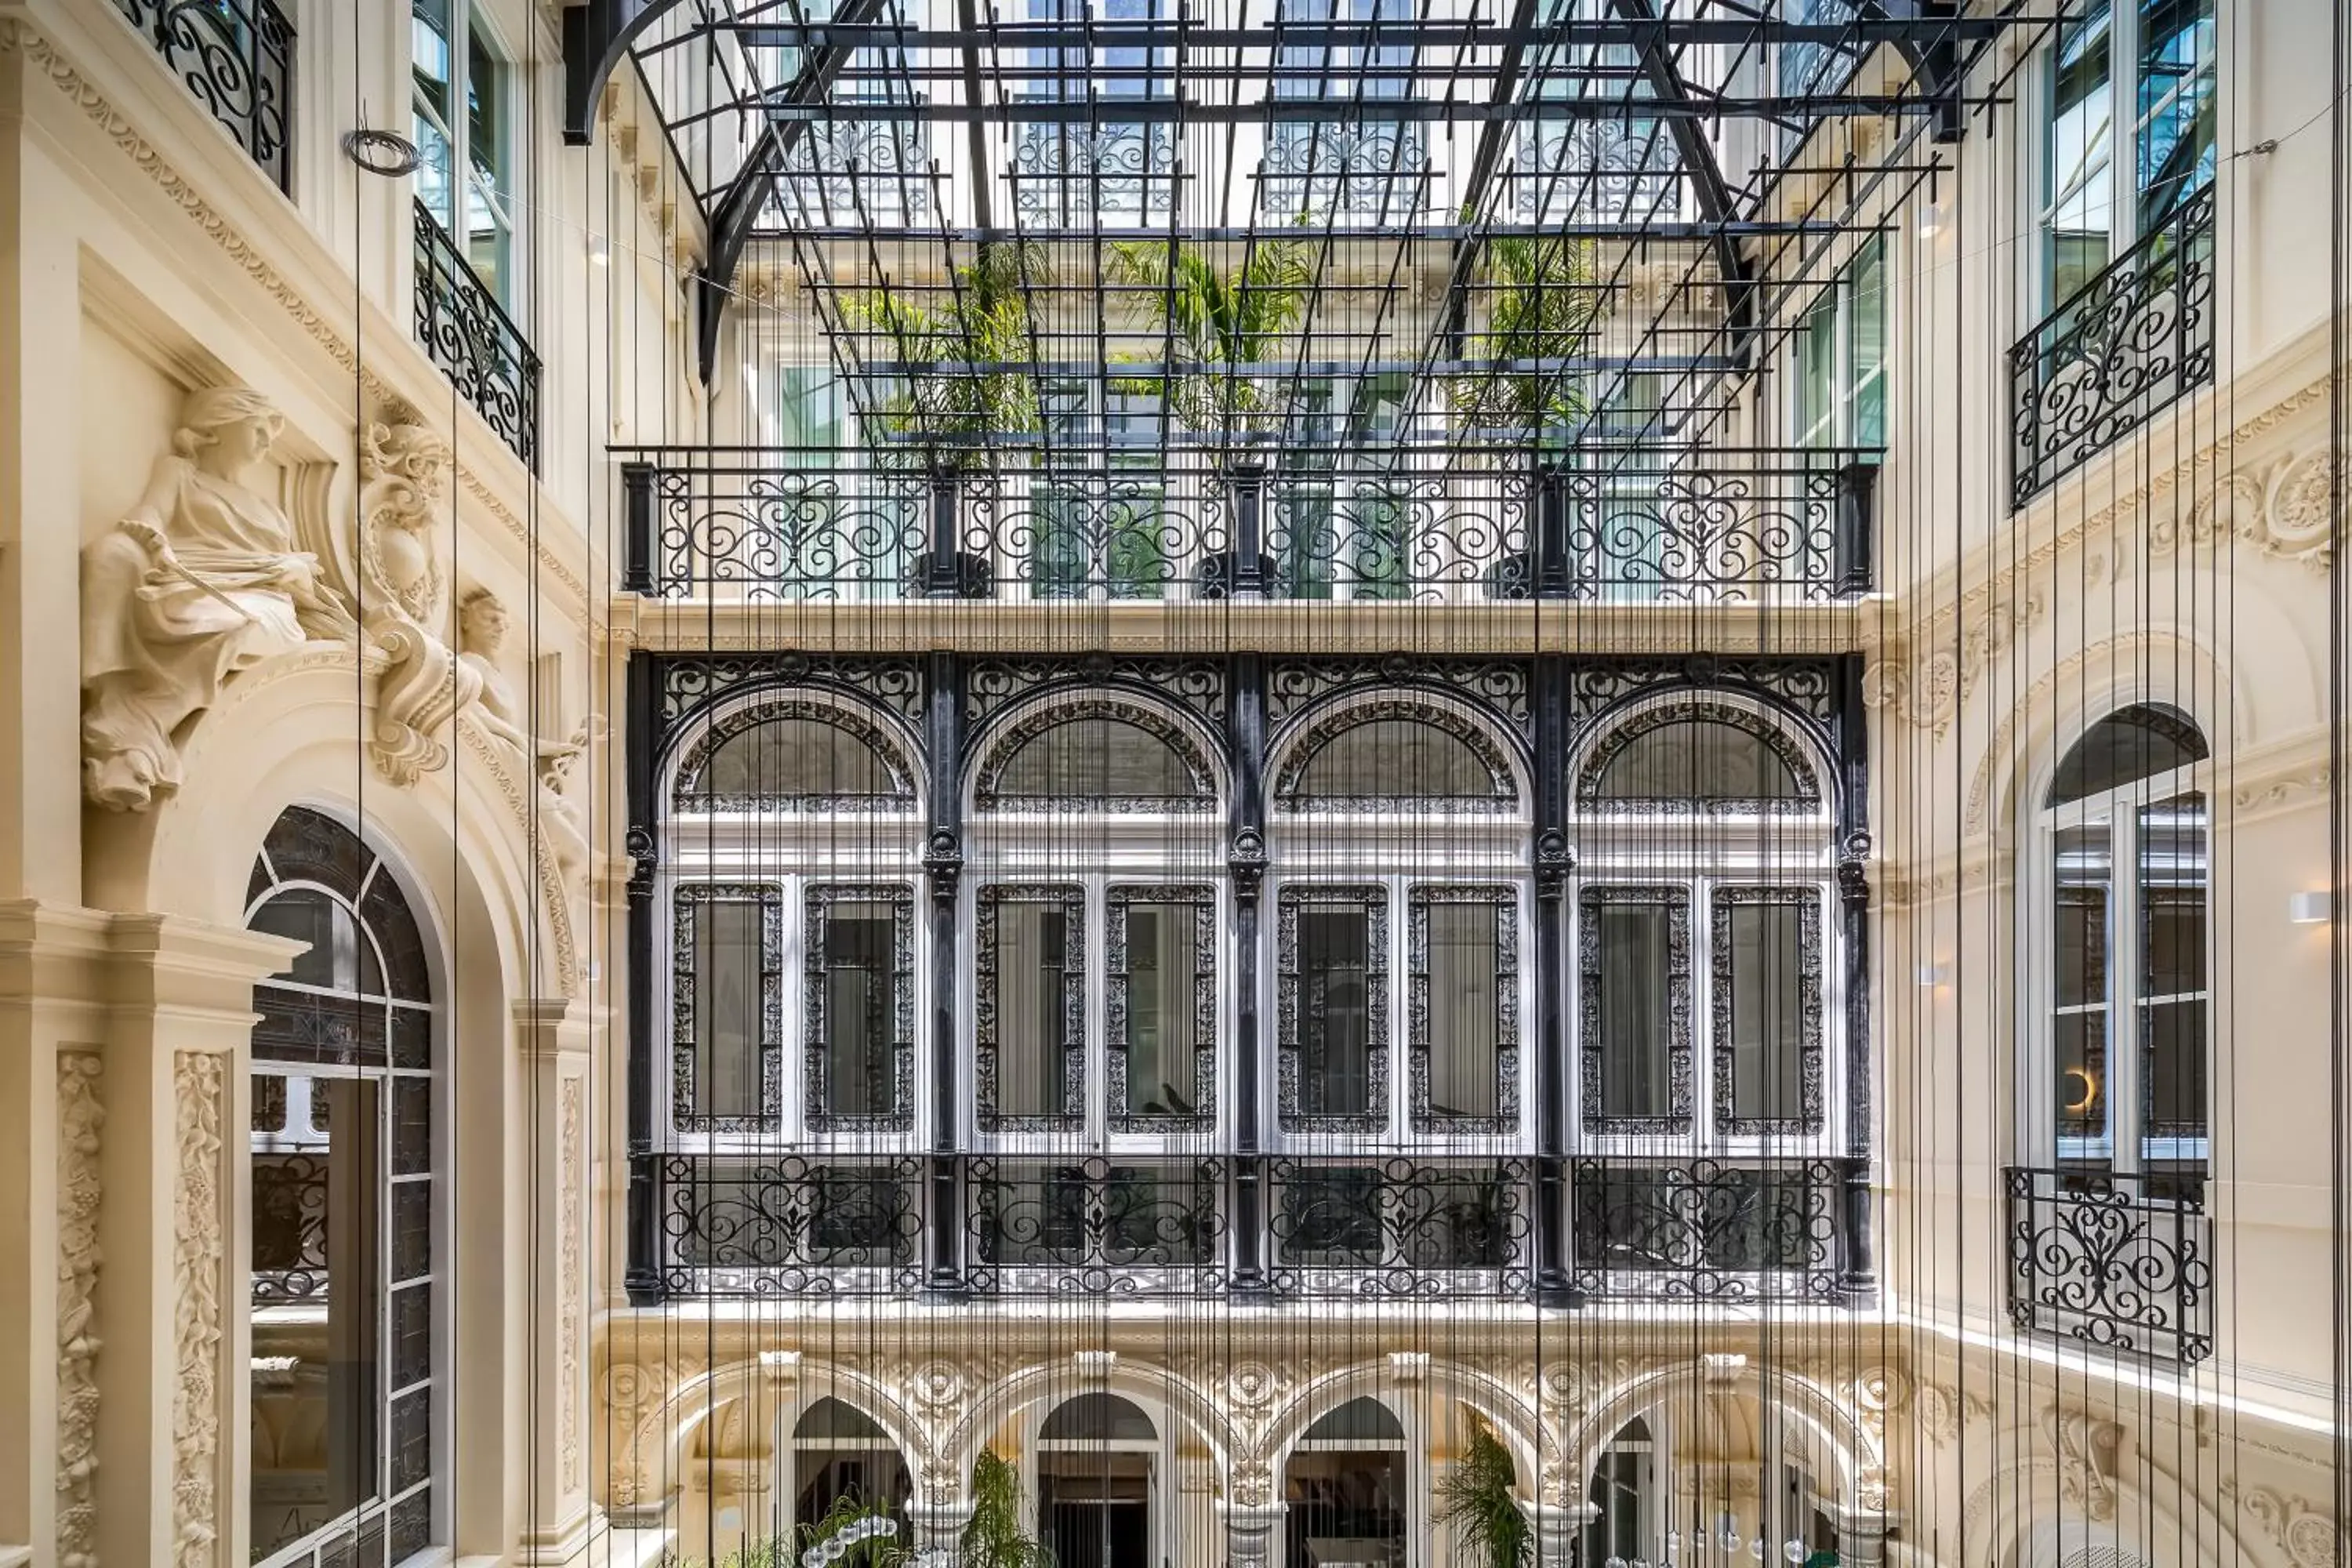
column 199, row 582
column 481, row 637
column 403, row 596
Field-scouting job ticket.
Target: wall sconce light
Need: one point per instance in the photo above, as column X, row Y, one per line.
column 1934, row 974
column 600, row 254
column 1931, row 220
column 2310, row 908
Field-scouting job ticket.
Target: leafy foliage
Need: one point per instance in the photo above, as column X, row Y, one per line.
column 993, row 1537
column 1216, row 319
column 983, row 320
column 1476, row 1499
column 1540, row 304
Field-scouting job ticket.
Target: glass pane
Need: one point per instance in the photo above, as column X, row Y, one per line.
column 1767, row 1008
column 1032, row 967
column 729, row 1005
column 2079, row 1027
column 489, row 218
column 1334, row 1024
column 2172, row 984
column 2177, row 106
column 860, row 1003
column 1360, row 1420
column 307, row 914
column 1395, row 759
column 1464, row 994
column 796, row 757
column 1817, row 374
column 1866, row 377
column 1099, row 762
column 1636, row 956
column 1697, row 759
column 2081, row 154
column 2126, row 746
column 1163, row 970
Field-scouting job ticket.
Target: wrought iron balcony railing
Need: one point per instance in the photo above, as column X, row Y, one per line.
column 237, row 57
column 289, row 1228
column 1118, row 172
column 1095, row 1228
column 2128, row 342
column 784, row 1226
column 1700, row 1230
column 754, row 525
column 473, row 340
column 2112, row 1258
column 1400, row 1228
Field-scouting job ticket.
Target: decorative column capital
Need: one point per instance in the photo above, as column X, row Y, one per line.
column 544, row 1026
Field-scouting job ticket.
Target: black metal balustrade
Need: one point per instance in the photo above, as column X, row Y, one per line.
column 1700, row 1230
column 1095, row 1228
column 1400, row 1228
column 2127, row 343
column 289, row 1229
column 784, row 1226
column 767, row 525
column 2112, row 1258
column 237, row 57
column 474, row 341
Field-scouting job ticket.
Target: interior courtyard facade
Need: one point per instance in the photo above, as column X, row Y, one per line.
column 1168, row 783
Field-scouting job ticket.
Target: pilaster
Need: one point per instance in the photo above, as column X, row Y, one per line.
column 552, row 1035
column 1555, row 1526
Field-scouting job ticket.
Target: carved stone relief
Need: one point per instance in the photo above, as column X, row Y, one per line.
column 81, row 1115
column 482, row 624
column 572, row 1137
column 199, row 1080
column 200, row 582
column 403, row 594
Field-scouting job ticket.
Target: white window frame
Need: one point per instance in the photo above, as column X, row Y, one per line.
column 1838, row 426
column 467, row 18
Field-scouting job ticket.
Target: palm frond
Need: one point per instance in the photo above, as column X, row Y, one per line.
column 1476, row 1500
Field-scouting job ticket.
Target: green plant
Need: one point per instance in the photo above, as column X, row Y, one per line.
column 984, row 320
column 993, row 1537
column 857, row 1533
column 1540, row 304
column 1476, row 1499
column 1216, row 319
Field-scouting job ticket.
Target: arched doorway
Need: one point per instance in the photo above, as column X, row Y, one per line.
column 841, row 1455
column 1346, row 1488
column 1097, row 1483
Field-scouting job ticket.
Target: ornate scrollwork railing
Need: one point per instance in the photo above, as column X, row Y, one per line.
column 1098, row 1227
column 237, row 57
column 1365, row 171
column 289, row 1229
column 774, row 524
column 473, row 340
column 2128, row 342
column 1121, row 172
column 2112, row 1258
column 784, row 1226
column 1382, row 1229
column 1700, row 1230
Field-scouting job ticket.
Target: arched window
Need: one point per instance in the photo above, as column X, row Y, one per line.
column 2122, row 938
column 1704, row 919
column 343, row 1145
column 792, row 754
column 1390, row 756
column 1107, row 756
column 1624, row 1495
column 1346, row 1487
column 1098, row 1477
column 843, row 1457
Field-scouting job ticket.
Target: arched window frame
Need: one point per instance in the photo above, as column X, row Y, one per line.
column 798, row 1455
column 2123, row 1145
column 1161, row 1448
column 1165, row 856
column 1411, row 1444
column 1701, row 864
column 1399, row 861
column 411, row 1502
column 799, row 863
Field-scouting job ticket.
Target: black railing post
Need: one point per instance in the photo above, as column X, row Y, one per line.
column 1553, row 578
column 1852, row 571
column 642, row 1273
column 637, row 527
column 943, row 867
column 1554, row 860
column 942, row 578
column 1247, row 862
column 1247, row 474
column 1857, row 1279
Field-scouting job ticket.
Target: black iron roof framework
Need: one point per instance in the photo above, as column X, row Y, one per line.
column 1099, row 132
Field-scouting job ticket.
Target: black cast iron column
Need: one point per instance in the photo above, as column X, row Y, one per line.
column 943, row 869
column 1246, row 860
column 1553, row 861
column 641, row 1275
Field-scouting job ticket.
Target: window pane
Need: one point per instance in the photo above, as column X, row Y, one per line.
column 1865, row 374
column 1766, row 963
column 1393, row 759
column 1163, row 969
column 1334, row 1023
column 2079, row 1026
column 1694, row 759
column 1100, row 763
column 2176, row 108
column 1464, row 959
column 728, row 1006
column 2126, row 746
column 308, row 914
column 2081, row 154
column 489, row 218
column 796, row 757
column 861, row 1000
column 1817, row 374
column 1635, row 961
column 1033, row 966
column 2172, row 880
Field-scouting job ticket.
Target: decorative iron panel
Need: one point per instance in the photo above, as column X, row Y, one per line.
column 2108, row 1258
column 1500, row 687
column 1705, row 536
column 1069, row 1006
column 685, row 976
column 1302, row 1003
column 237, row 57
column 1200, row 999
column 1201, row 782
column 1097, row 1229
column 690, row 682
column 475, row 342
column 1400, row 1228
column 893, row 1069
column 1812, row 1078
column 1680, row 1098
column 1704, row 1231
column 1596, row 171
column 1503, row 788
column 790, row 1226
column 289, row 1226
column 1419, row 1031
column 1071, row 172
column 1462, row 531
column 1125, row 533
column 787, row 533
column 2131, row 342
column 1341, row 169
column 1196, row 685
column 1805, row 801
column 691, row 791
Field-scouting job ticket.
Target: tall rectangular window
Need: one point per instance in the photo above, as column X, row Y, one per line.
column 1841, row 357
column 730, row 1006
column 1634, row 1010
column 1162, row 988
column 1768, row 1026
column 1333, row 962
column 859, row 1010
column 1032, row 993
column 2172, row 969
column 2079, row 995
column 1464, row 942
column 461, row 93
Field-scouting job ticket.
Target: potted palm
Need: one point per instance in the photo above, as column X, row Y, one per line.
column 993, row 1537
column 1478, row 1502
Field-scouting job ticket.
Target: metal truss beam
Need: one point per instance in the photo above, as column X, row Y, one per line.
column 596, row 39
